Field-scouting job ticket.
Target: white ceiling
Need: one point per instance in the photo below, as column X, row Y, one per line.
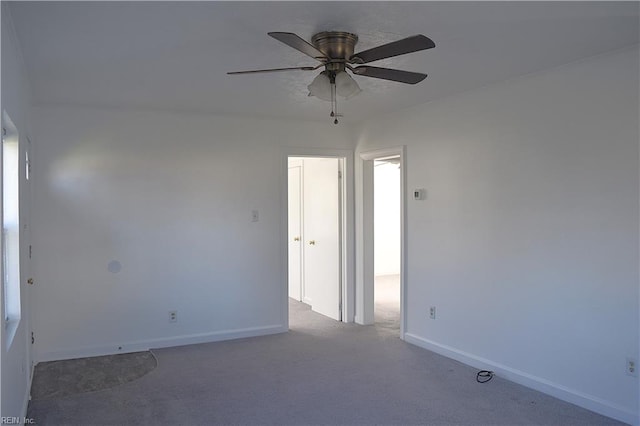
column 175, row 55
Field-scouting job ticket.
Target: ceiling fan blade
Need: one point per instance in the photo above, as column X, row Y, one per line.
column 274, row 70
column 407, row 45
column 298, row 43
column 389, row 74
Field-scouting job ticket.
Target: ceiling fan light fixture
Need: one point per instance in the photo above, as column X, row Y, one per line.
column 320, row 87
column 346, row 86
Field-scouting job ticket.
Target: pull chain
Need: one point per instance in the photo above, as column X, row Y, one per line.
column 335, row 103
column 334, row 98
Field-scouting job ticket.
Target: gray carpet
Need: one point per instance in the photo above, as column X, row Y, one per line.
column 321, row 372
column 387, row 302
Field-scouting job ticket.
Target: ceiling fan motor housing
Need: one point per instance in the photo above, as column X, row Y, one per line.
column 336, row 45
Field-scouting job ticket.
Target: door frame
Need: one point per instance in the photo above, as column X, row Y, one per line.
column 347, row 243
column 365, row 253
column 300, row 165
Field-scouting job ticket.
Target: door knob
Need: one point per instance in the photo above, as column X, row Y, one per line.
column 312, row 242
column 296, row 239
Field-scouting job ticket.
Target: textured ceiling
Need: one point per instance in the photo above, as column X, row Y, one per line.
column 175, row 55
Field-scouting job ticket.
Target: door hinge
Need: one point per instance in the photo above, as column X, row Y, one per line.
column 30, row 251
column 339, row 174
column 4, row 132
column 33, row 338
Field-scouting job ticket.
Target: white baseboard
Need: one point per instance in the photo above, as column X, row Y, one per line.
column 580, row 399
column 165, row 342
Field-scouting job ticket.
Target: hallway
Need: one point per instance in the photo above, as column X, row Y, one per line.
column 387, row 302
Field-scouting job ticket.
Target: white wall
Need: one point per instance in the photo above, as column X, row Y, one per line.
column 386, row 219
column 170, row 198
column 528, row 240
column 15, row 360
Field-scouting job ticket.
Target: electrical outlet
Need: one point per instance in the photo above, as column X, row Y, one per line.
column 173, row 316
column 432, row 312
column 632, row 367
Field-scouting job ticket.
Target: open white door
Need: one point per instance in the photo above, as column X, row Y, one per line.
column 295, row 230
column 322, row 235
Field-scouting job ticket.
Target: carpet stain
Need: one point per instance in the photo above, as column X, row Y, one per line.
column 56, row 379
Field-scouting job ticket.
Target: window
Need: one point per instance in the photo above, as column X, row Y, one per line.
column 10, row 227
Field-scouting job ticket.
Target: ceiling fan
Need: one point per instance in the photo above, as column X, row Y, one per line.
column 335, row 52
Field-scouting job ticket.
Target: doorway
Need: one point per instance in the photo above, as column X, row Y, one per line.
column 372, row 240
column 386, row 204
column 315, row 243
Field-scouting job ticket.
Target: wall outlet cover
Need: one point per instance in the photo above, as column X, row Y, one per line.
column 632, row 367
